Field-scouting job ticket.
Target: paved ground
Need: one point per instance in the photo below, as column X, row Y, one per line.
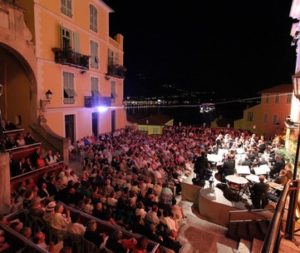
column 198, row 235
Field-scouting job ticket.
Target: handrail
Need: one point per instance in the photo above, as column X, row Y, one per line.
column 37, row 170
column 13, row 131
column 107, row 224
column 258, row 212
column 273, row 230
column 23, row 239
column 24, row 147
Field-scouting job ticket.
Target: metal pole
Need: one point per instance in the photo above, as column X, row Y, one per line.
column 297, row 156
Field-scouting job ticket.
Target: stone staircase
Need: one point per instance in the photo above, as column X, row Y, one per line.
column 249, row 234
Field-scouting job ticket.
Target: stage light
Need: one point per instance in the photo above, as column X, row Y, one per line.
column 102, row 109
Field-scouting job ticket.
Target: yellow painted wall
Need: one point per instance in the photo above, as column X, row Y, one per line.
column 50, row 74
column 170, row 123
column 56, row 121
column 151, row 129
column 281, row 109
column 28, row 6
column 268, row 129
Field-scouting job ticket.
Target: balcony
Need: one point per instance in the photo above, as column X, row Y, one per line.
column 116, row 70
column 94, row 101
column 71, row 58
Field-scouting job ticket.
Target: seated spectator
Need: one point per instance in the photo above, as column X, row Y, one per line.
column 171, row 243
column 92, row 235
column 66, row 249
column 39, row 240
column 40, row 162
column 17, row 225
column 141, row 246
column 50, row 158
column 10, row 126
column 140, row 210
column 114, row 242
column 98, row 211
column 29, row 139
column 27, row 232
column 151, row 216
column 59, row 220
column 166, row 196
column 49, row 211
column 75, row 227
column 88, row 206
column 4, row 246
column 20, row 140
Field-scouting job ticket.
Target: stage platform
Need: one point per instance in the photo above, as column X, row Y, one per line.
column 190, row 191
column 215, row 207
column 212, row 205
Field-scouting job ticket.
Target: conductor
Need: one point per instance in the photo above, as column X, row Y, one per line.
column 259, row 193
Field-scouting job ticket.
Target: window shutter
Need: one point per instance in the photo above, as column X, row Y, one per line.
column 61, row 35
column 69, row 7
column 76, row 42
column 63, row 6
column 113, row 88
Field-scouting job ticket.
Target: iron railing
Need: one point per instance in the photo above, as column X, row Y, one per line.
column 70, row 57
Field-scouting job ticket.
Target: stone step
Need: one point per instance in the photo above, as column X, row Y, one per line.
column 221, row 248
column 244, row 246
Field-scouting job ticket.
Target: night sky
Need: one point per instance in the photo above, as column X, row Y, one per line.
column 243, row 47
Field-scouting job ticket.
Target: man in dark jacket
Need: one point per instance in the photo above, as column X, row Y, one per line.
column 259, row 193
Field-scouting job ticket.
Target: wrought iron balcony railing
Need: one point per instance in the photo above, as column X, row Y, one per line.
column 93, row 101
column 71, row 58
column 116, row 70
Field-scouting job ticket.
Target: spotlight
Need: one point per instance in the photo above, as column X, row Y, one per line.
column 102, row 109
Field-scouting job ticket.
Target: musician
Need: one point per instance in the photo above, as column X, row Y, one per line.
column 259, row 193
column 278, row 165
column 201, row 166
column 228, row 167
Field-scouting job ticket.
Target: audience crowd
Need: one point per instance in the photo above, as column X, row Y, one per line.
column 131, row 180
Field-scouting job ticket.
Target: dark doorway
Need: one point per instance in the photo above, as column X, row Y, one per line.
column 113, row 121
column 70, row 127
column 95, row 123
